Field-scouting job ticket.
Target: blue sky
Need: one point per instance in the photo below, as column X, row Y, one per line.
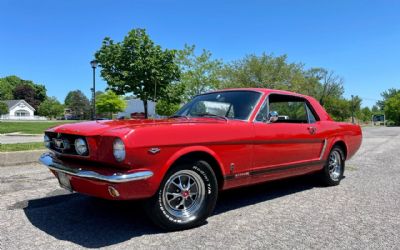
column 52, row 42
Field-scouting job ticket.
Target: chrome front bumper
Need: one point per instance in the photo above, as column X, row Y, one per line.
column 48, row 160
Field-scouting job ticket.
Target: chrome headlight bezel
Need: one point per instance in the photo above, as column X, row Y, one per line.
column 119, row 150
column 81, row 146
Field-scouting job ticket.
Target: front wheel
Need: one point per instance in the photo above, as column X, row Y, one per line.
column 333, row 171
column 186, row 196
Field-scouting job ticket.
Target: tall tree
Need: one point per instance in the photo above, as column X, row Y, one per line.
column 338, row 108
column 392, row 108
column 51, row 108
column 199, row 73
column 3, row 108
column 265, row 71
column 330, row 84
column 136, row 65
column 78, row 103
column 110, row 103
column 6, row 90
column 385, row 96
column 13, row 87
column 27, row 93
column 366, row 114
column 171, row 101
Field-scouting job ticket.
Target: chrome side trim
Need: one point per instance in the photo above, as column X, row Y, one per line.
column 47, row 160
column 323, row 149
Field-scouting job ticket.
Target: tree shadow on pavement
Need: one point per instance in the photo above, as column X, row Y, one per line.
column 93, row 223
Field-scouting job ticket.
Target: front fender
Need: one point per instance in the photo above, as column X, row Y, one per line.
column 187, row 150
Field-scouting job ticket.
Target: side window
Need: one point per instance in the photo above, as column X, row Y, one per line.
column 290, row 109
column 293, row 111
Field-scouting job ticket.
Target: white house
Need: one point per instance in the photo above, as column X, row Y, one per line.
column 20, row 110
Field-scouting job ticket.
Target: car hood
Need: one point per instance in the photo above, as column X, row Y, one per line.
column 93, row 128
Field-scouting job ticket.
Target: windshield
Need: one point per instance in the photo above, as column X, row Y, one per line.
column 227, row 104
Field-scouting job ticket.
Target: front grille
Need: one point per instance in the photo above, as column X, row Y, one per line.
column 64, row 143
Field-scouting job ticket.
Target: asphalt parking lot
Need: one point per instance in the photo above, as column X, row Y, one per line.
column 361, row 213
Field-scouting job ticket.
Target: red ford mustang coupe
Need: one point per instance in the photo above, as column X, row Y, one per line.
column 217, row 141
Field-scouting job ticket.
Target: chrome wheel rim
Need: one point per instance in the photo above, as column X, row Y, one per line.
column 335, row 165
column 183, row 194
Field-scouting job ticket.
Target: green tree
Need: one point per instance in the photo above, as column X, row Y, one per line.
column 328, row 84
column 13, row 87
column 338, row 108
column 110, row 103
column 265, row 71
column 27, row 93
column 385, row 96
column 199, row 73
column 366, row 114
column 51, row 108
column 275, row 72
column 6, row 90
column 392, row 108
column 136, row 65
column 166, row 108
column 78, row 103
column 3, row 108
column 171, row 101
column 355, row 106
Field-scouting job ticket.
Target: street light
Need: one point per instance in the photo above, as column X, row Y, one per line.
column 94, row 63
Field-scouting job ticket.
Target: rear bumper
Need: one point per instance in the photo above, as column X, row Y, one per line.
column 132, row 184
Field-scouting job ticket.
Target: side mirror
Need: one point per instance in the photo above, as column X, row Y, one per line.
column 273, row 116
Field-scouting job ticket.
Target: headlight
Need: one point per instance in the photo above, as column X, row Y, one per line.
column 119, row 149
column 47, row 141
column 80, row 146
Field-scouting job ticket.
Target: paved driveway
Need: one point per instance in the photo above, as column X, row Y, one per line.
column 362, row 213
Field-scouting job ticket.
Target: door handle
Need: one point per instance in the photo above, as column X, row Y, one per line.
column 312, row 130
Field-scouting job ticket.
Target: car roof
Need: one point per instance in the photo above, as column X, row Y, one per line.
column 262, row 90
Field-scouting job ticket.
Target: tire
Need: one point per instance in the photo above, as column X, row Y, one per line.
column 176, row 206
column 333, row 171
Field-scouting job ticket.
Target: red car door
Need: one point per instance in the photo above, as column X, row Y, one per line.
column 289, row 145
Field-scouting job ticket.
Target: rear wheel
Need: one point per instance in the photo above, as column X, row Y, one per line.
column 333, row 170
column 186, row 196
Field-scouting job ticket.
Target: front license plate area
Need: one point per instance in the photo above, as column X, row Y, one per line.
column 64, row 181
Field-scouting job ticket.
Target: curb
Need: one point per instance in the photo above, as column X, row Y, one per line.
column 20, row 157
column 17, row 134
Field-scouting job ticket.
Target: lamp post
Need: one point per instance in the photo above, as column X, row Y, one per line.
column 94, row 63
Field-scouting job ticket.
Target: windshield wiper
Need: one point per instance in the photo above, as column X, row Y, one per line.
column 212, row 115
column 178, row 116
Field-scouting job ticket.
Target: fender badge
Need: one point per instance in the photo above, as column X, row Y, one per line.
column 154, row 150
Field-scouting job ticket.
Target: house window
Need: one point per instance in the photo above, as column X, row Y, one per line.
column 21, row 113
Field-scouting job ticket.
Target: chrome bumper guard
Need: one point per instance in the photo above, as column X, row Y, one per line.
column 48, row 160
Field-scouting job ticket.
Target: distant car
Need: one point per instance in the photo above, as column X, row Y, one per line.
column 138, row 115
column 218, row 141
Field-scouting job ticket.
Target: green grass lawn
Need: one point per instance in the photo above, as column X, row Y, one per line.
column 21, row 146
column 29, row 127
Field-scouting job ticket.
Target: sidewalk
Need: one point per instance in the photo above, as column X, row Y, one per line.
column 19, row 138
